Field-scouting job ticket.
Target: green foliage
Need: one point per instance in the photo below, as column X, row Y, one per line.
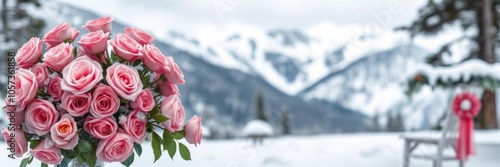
column 138, row 149
column 70, row 154
column 168, row 140
column 34, row 143
column 184, row 151
column 160, row 118
column 26, row 161
column 178, row 135
column 172, row 149
column 64, row 163
column 84, row 146
column 154, row 111
column 129, row 160
column 156, row 145
column 485, row 82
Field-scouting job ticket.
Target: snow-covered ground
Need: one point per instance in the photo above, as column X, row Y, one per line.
column 335, row 150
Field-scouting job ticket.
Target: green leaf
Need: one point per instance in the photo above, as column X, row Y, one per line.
column 136, row 62
column 138, row 149
column 92, row 160
column 30, row 159
column 145, row 80
column 156, row 145
column 85, row 155
column 84, row 135
column 44, row 165
column 177, row 135
column 160, row 118
column 24, row 162
column 185, row 154
column 129, row 160
column 172, row 149
column 168, row 140
column 84, row 146
column 155, row 110
column 64, row 162
column 34, row 143
column 80, row 159
column 70, row 154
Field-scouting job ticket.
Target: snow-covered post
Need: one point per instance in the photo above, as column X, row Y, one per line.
column 257, row 130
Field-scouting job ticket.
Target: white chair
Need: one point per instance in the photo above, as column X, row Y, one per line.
column 445, row 139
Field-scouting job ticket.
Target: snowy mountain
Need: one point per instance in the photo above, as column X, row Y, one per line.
column 216, row 89
column 288, row 59
column 375, row 84
column 329, row 76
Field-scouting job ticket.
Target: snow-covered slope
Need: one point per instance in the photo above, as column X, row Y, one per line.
column 376, row 84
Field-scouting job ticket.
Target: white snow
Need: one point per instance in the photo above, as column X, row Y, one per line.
column 257, row 127
column 465, row 70
column 338, row 150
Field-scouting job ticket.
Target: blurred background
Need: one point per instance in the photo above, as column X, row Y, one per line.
column 333, row 82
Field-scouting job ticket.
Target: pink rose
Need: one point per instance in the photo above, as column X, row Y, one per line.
column 193, row 131
column 15, row 139
column 47, row 153
column 154, row 59
column 59, row 34
column 126, row 47
column 94, row 42
column 58, row 57
column 124, row 80
column 103, row 128
column 42, row 73
column 138, row 35
column 40, row 116
column 168, row 89
column 144, row 102
column 105, row 102
column 76, row 105
column 29, row 53
column 54, row 88
column 81, row 52
column 26, row 87
column 101, row 23
column 135, row 126
column 175, row 76
column 173, row 109
column 64, row 133
column 81, row 75
column 115, row 149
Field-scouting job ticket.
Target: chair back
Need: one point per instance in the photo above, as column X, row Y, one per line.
column 450, row 127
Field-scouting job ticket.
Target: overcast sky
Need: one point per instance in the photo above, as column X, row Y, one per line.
column 267, row 14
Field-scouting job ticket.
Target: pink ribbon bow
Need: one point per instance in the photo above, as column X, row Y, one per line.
column 466, row 106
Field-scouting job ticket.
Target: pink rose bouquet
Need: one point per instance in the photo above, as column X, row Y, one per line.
column 99, row 101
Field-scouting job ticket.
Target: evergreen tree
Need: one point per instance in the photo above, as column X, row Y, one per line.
column 479, row 15
column 285, row 122
column 260, row 107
